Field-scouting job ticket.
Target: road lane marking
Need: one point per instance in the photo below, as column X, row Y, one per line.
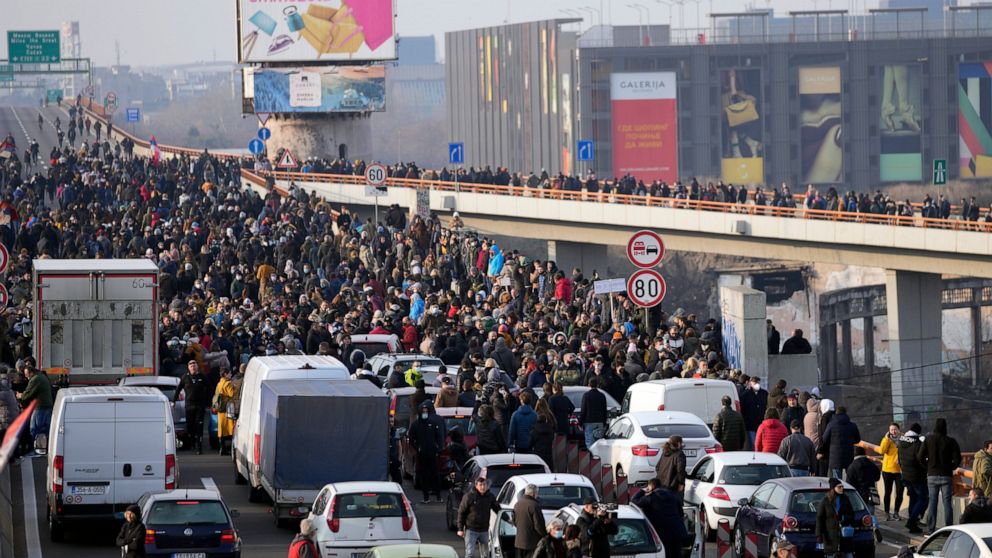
column 31, row 539
column 209, row 484
column 25, row 131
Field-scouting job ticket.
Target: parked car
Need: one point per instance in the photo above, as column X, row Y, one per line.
column 353, row 517
column 720, row 480
column 700, row 397
column 413, row 550
column 970, row 541
column 373, row 344
column 786, row 507
column 575, row 394
column 168, row 386
column 633, row 443
column 497, row 468
column 454, row 417
column 195, row 523
column 401, row 406
column 554, row 491
column 382, row 364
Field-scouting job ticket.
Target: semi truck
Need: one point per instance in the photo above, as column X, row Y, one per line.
column 95, row 321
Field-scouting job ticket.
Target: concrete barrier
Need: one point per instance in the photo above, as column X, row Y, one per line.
column 6, row 514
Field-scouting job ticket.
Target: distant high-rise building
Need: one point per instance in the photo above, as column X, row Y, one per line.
column 71, row 48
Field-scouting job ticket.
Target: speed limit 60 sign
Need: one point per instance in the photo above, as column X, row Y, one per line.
column 646, row 288
column 375, row 175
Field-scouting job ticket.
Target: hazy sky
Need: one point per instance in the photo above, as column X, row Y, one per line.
column 153, row 32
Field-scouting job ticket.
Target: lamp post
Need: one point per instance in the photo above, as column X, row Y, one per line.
column 640, row 20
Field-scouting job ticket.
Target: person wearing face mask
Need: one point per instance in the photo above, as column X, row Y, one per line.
column 426, row 436
column 754, row 401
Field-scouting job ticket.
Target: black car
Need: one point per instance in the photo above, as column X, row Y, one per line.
column 189, row 524
column 786, row 508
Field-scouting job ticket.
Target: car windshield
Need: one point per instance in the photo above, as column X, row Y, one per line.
column 669, row 430
column 499, row 474
column 187, row 512
column 752, row 474
column 423, row 361
column 368, row 504
column 557, row 497
column 461, row 422
column 576, row 398
column 371, row 348
column 633, row 537
column 808, row 501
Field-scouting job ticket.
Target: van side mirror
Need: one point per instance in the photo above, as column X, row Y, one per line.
column 742, row 502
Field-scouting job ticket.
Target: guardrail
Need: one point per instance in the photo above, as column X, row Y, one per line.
column 961, row 487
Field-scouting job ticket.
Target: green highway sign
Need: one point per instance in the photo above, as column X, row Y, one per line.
column 6, row 72
column 53, row 95
column 33, row 47
column 940, row 171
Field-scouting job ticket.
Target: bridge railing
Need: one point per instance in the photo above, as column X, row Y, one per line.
column 649, row 201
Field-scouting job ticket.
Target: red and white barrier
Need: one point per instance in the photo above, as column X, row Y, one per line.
column 607, row 490
column 595, row 473
column 751, row 545
column 573, row 457
column 584, row 460
column 560, row 454
column 723, row 547
column 622, row 497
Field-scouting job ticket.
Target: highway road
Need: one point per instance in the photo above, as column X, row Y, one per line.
column 262, row 539
column 22, row 123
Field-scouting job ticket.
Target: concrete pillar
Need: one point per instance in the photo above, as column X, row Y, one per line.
column 869, row 342
column 828, row 342
column 745, row 339
column 914, row 312
column 846, row 353
column 321, row 135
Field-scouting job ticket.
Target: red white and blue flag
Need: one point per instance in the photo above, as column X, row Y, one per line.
column 156, row 153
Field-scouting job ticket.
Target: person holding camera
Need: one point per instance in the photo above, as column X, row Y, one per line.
column 663, row 509
column 596, row 524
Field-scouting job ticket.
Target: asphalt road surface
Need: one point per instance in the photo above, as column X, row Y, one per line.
column 22, row 123
column 261, row 538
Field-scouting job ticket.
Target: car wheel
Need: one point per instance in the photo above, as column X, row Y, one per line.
column 56, row 531
column 256, row 495
column 280, row 522
column 708, row 533
column 738, row 543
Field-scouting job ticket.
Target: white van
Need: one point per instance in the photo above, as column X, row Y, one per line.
column 107, row 447
column 697, row 396
column 246, row 446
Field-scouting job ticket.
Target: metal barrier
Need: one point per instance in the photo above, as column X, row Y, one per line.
column 960, row 481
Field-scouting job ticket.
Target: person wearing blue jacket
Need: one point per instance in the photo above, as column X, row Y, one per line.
column 520, row 424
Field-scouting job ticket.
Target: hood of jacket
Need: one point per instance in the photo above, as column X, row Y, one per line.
column 940, row 427
column 910, row 437
column 812, row 406
column 525, row 410
column 826, row 405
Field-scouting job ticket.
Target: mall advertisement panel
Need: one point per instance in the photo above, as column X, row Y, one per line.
column 317, row 89
column 821, row 138
column 315, row 30
column 975, row 118
column 742, row 137
column 900, row 124
column 644, row 108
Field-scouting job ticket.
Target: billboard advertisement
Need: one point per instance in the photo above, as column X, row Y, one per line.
column 316, row 89
column 821, row 140
column 900, row 124
column 975, row 118
column 644, row 110
column 742, row 143
column 315, row 30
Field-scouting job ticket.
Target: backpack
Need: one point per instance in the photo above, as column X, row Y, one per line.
column 302, row 547
column 219, row 403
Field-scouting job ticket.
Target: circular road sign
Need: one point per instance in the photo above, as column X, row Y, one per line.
column 264, row 133
column 4, row 297
column 110, row 102
column 375, row 175
column 256, row 146
column 646, row 288
column 645, row 249
column 4, row 258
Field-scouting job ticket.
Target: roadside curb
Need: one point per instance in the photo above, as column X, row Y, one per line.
column 898, row 536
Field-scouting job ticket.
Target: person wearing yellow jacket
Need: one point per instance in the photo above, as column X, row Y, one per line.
column 891, row 471
column 225, row 392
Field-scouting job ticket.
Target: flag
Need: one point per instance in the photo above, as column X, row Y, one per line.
column 156, row 153
column 13, row 434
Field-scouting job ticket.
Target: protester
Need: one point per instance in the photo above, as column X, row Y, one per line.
column 426, row 436
column 131, row 539
column 595, row 529
column 914, row 476
column 835, row 522
column 728, row 427
column 837, row 443
column 529, row 521
column 770, row 433
column 797, row 344
column 594, row 413
column 798, row 452
column 196, row 394
column 473, row 516
column 940, row 455
column 982, row 467
column 754, row 401
column 863, row 475
column 552, row 544
column 562, row 408
column 304, row 545
column 489, row 434
column 9, row 410
column 38, row 389
column 521, row 423
column 670, row 469
column 891, row 472
column 223, row 395
column 663, row 509
column 978, row 509
column 542, row 434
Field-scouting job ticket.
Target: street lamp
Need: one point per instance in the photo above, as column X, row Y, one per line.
column 591, row 10
column 640, row 20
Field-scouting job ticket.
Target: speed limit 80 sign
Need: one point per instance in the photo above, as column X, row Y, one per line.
column 646, row 288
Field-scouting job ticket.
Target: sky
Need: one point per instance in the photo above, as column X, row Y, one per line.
column 163, row 32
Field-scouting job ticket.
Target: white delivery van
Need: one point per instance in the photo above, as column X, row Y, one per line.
column 246, row 446
column 96, row 321
column 107, row 446
column 697, row 396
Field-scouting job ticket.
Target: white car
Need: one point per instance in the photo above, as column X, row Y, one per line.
column 353, row 517
column 372, row 344
column 382, row 364
column 719, row 481
column 965, row 541
column 633, row 443
column 554, row 491
column 635, row 538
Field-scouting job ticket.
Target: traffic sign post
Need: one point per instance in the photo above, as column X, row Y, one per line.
column 456, row 156
column 287, row 161
column 646, row 288
column 264, row 133
column 939, row 172
column 263, row 117
column 133, row 114
column 585, row 151
column 256, row 147
column 110, row 102
column 375, row 181
column 645, row 249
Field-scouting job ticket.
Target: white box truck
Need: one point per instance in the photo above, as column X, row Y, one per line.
column 96, row 321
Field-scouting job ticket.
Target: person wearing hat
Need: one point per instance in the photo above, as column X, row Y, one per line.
column 798, row 451
column 131, row 539
column 784, row 548
column 426, row 436
column 835, row 522
column 595, row 526
column 473, row 516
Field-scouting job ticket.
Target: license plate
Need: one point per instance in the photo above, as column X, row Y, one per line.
column 689, row 452
column 89, row 490
column 190, row 555
column 358, row 554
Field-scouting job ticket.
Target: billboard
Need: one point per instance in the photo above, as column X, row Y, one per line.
column 315, row 30
column 975, row 119
column 821, row 137
column 644, row 110
column 900, row 124
column 316, row 89
column 742, row 137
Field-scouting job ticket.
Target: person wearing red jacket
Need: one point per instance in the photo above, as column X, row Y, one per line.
column 409, row 335
column 563, row 288
column 771, row 432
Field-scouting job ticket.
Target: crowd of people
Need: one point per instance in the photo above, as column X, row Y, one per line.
column 244, row 273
